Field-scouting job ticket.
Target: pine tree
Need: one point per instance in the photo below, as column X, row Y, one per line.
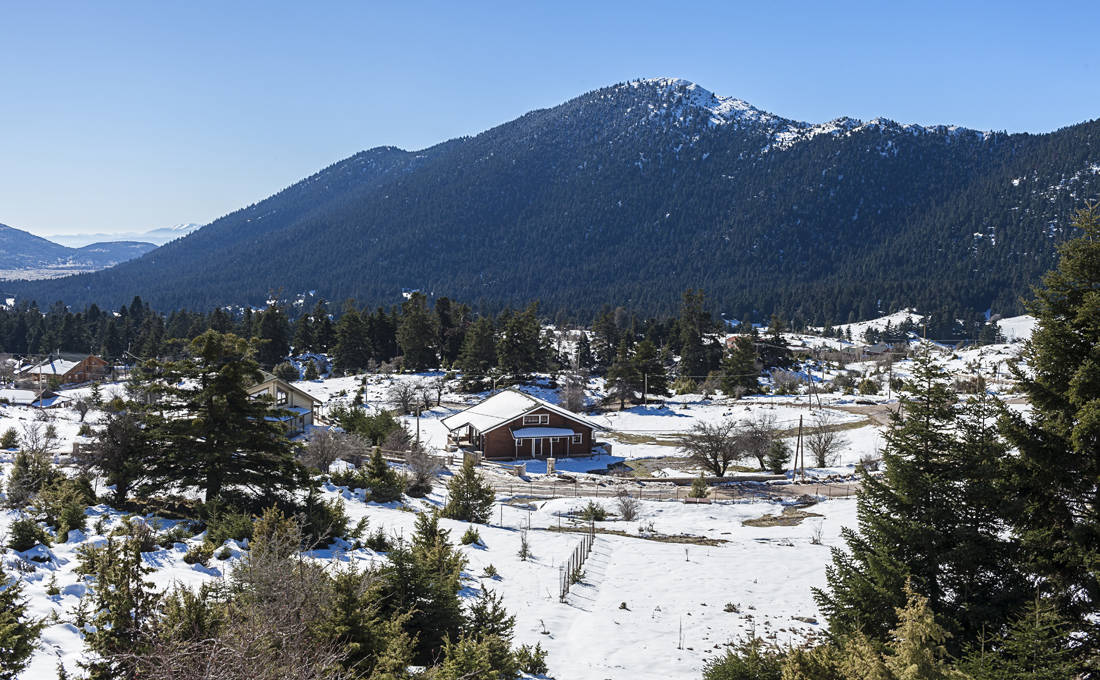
column 384, row 483
column 1038, row 645
column 125, row 605
column 18, row 632
column 211, row 433
column 273, row 335
column 693, row 359
column 623, row 377
column 931, row 518
column 916, row 647
column 352, row 351
column 1057, row 471
column 479, row 353
column 649, row 369
column 418, row 334
column 740, row 371
column 519, row 349
column 469, row 496
column 311, row 371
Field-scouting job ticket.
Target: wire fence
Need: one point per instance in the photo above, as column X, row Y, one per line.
column 571, row 570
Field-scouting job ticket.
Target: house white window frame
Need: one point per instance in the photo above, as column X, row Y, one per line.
column 536, row 419
column 282, row 397
column 578, row 439
column 519, row 443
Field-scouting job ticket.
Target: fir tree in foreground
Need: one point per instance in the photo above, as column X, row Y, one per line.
column 1056, row 476
column 469, row 496
column 18, row 632
column 933, row 519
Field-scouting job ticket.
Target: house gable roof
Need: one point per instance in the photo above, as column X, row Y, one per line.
column 504, row 407
column 270, row 379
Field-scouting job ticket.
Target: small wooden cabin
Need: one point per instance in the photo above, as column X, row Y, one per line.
column 512, row 424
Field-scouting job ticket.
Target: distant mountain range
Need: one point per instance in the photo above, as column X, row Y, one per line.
column 26, row 256
column 632, row 193
column 158, row 236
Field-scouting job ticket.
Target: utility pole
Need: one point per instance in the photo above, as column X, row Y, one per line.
column 799, row 456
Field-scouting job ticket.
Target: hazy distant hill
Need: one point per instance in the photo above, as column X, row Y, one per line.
column 158, row 236
column 632, row 193
column 26, row 256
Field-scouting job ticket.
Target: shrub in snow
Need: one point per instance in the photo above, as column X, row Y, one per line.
column 18, row 631
column 471, row 536
column 378, row 541
column 24, row 534
column 199, row 554
column 699, row 487
column 592, row 512
column 228, row 523
column 10, row 439
column 383, row 481
column 532, row 660
column 524, row 546
column 779, row 455
column 628, row 507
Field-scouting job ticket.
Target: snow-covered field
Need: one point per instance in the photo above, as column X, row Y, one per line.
column 665, row 587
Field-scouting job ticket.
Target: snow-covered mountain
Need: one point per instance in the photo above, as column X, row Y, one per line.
column 631, row 194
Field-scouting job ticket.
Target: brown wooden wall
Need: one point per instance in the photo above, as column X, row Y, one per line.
column 499, row 443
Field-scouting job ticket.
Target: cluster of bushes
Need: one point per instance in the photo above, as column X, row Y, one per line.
column 280, row 612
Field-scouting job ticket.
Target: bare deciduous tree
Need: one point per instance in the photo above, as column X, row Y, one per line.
column 824, row 441
column 713, row 446
column 757, row 435
column 572, row 392
column 403, row 394
column 39, row 438
column 423, row 467
column 81, row 406
column 324, row 447
column 627, row 506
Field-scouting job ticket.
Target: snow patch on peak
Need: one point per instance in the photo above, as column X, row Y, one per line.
column 720, row 110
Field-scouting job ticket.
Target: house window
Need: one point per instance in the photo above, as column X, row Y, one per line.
column 281, row 397
column 555, row 439
column 578, row 439
column 536, row 419
column 519, row 442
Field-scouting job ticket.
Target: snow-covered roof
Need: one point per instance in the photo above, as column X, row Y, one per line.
column 54, row 367
column 19, row 397
column 503, row 407
column 525, row 432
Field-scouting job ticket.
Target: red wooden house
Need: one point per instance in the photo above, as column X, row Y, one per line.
column 511, row 424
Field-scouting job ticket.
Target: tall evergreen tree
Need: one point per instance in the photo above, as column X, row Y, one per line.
column 650, row 369
column 418, row 334
column 273, row 333
column 210, row 432
column 479, row 350
column 740, row 372
column 520, row 348
column 931, row 519
column 353, row 347
column 623, row 378
column 1056, row 476
column 693, row 358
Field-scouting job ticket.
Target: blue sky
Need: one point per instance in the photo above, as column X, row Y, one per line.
column 120, row 117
